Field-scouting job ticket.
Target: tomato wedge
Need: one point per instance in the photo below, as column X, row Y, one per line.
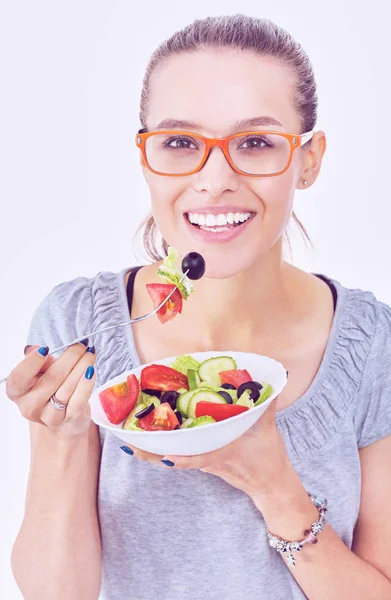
column 160, row 377
column 173, row 306
column 235, row 377
column 219, row 412
column 118, row 400
column 162, row 418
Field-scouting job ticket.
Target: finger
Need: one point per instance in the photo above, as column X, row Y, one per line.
column 24, row 376
column 49, row 360
column 199, row 461
column 76, row 389
column 32, row 403
column 143, row 455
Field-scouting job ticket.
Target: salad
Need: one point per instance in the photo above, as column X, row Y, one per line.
column 172, row 275
column 184, row 395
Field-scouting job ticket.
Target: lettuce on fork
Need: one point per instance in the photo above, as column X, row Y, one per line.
column 170, row 273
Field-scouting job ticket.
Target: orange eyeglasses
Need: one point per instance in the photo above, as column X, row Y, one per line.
column 255, row 153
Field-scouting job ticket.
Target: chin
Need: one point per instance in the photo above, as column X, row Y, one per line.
column 224, row 263
column 225, row 266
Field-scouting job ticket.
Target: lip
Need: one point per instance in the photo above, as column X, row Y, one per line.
column 218, row 210
column 220, row 237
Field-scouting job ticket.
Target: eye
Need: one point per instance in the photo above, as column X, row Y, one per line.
column 180, row 143
column 255, row 143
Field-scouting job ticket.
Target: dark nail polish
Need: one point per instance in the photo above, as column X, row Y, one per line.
column 127, row 450
column 91, row 349
column 90, row 372
column 168, row 463
column 44, row 350
column 85, row 342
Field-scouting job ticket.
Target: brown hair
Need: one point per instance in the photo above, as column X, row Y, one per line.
column 241, row 32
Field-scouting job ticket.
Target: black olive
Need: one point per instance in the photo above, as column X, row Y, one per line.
column 156, row 393
column 226, row 397
column 259, row 385
column 179, row 416
column 195, row 263
column 252, row 386
column 177, row 427
column 228, row 386
column 171, row 397
column 145, row 412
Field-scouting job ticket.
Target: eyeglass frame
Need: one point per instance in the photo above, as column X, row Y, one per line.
column 295, row 141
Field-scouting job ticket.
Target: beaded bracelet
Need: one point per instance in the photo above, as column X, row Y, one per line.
column 310, row 534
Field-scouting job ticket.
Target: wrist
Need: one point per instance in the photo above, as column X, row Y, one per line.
column 286, row 507
column 59, row 444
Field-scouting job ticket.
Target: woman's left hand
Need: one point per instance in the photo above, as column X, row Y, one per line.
column 251, row 463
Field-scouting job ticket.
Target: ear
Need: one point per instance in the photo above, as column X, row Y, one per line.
column 312, row 160
column 144, row 167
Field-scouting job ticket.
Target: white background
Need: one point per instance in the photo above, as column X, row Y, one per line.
column 71, row 191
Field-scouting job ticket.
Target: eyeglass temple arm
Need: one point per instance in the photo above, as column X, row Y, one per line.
column 305, row 137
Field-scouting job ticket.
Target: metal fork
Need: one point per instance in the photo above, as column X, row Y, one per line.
column 130, row 322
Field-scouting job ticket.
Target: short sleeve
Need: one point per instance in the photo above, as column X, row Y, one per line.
column 63, row 314
column 373, row 410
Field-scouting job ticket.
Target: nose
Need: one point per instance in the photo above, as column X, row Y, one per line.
column 216, row 176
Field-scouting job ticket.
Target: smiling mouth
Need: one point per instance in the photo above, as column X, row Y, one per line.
column 217, row 223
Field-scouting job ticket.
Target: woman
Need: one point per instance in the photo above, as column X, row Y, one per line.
column 198, row 527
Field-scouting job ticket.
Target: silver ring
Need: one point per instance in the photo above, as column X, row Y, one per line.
column 57, row 404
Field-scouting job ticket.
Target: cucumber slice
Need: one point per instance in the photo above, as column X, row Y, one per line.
column 204, row 396
column 182, row 390
column 232, row 393
column 183, row 402
column 201, row 421
column 207, row 386
column 147, row 400
column 194, row 379
column 210, row 369
column 245, row 400
column 186, row 423
column 266, row 392
column 131, row 421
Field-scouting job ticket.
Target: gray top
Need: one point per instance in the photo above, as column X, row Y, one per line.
column 185, row 533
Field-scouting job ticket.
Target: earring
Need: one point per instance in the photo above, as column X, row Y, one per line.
column 305, row 182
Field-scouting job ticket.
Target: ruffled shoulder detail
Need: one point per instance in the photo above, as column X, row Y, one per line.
column 311, row 421
column 62, row 315
column 113, row 356
column 372, row 414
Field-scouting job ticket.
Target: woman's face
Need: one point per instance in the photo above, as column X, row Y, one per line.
column 215, row 91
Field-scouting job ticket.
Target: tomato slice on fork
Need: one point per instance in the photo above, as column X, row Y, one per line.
column 173, row 306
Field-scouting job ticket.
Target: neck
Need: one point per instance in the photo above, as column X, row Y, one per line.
column 261, row 302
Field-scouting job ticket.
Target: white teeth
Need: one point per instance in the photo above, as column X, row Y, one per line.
column 221, row 220
column 210, row 220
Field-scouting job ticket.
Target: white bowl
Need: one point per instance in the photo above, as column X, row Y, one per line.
column 206, row 438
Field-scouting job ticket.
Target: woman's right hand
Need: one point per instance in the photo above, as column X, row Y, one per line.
column 36, row 378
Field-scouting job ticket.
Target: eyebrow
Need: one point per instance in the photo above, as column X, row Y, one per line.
column 243, row 124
